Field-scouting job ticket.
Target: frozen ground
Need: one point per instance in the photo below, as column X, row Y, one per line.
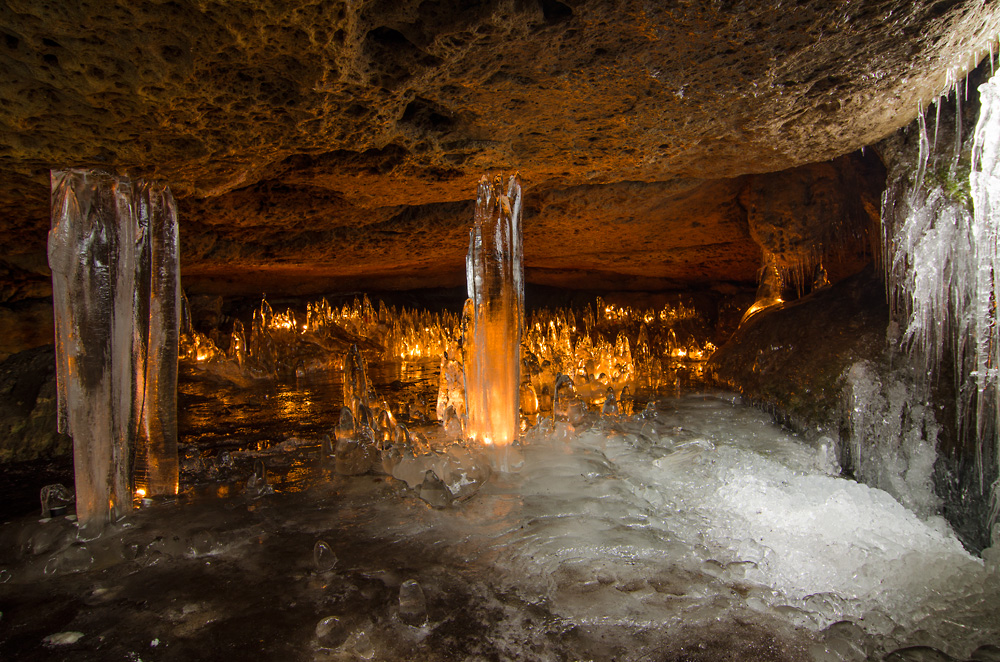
column 701, row 533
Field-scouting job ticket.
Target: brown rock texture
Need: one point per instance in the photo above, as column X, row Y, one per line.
column 817, row 214
column 343, row 140
column 28, row 407
column 792, row 359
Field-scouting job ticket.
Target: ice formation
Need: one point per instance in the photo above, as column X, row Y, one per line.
column 941, row 256
column 769, row 292
column 984, row 182
column 493, row 319
column 893, row 433
column 113, row 254
column 600, row 345
column 157, row 325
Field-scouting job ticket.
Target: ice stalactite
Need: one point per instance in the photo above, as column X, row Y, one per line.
column 493, row 319
column 113, row 254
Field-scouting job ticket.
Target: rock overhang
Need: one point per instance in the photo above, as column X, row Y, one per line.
column 341, row 141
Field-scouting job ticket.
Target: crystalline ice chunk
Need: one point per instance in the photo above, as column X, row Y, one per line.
column 434, row 491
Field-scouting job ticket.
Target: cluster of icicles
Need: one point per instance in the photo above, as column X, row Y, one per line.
column 941, row 237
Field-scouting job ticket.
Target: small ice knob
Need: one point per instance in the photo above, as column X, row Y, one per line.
column 331, row 632
column 412, row 604
column 610, row 404
column 323, row 557
column 434, row 491
column 257, row 484
column 55, row 498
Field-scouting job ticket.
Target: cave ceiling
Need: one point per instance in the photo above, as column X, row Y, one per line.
column 319, row 145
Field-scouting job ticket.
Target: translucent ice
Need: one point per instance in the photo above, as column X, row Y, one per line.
column 356, row 454
column 941, row 257
column 892, row 436
column 451, row 388
column 114, row 260
column 494, row 313
column 156, row 452
column 434, row 491
column 412, row 603
column 92, row 256
column 55, row 498
column 257, row 484
column 452, row 424
column 355, row 381
column 331, row 632
column 323, row 557
column 769, row 292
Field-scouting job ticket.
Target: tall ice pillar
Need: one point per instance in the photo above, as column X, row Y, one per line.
column 113, row 254
column 494, row 313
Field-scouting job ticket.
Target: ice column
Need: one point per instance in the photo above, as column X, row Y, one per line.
column 92, row 289
column 113, row 254
column 156, row 451
column 494, row 313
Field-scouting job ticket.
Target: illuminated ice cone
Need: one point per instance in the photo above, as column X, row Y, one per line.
column 494, row 313
column 355, row 381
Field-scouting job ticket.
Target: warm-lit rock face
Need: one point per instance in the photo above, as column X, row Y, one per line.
column 341, row 141
column 821, row 213
column 793, row 359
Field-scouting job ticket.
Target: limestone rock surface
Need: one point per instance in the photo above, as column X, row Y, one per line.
column 343, row 140
column 28, row 407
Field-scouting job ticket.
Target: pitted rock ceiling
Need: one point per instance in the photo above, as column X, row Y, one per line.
column 321, row 145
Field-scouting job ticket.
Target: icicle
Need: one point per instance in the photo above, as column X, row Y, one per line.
column 941, row 264
column 984, row 180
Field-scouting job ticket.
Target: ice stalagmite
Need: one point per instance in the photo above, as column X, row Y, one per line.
column 494, row 313
column 113, row 255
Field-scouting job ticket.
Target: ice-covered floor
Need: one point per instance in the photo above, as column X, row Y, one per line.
column 701, row 533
